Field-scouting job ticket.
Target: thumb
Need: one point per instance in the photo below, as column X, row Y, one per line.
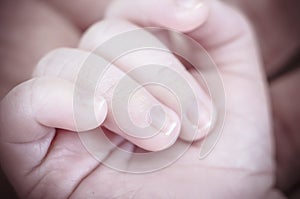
column 29, row 115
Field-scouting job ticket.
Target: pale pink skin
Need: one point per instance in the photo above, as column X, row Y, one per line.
column 241, row 165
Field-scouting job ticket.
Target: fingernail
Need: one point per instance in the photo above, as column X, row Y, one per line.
column 190, row 4
column 162, row 121
column 100, row 110
column 200, row 118
column 89, row 113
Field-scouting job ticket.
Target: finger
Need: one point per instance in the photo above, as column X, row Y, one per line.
column 196, row 121
column 228, row 39
column 132, row 119
column 43, row 103
column 181, row 15
column 29, row 115
column 222, row 31
column 208, row 18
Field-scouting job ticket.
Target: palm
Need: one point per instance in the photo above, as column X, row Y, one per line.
column 68, row 161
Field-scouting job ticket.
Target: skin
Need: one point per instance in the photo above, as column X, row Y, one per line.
column 133, row 180
column 282, row 71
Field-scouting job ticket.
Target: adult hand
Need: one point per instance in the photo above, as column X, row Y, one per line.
column 280, row 46
column 241, row 164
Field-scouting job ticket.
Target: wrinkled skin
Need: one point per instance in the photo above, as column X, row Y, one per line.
column 242, row 175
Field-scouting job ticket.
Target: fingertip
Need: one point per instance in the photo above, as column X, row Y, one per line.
column 100, row 110
column 179, row 15
column 186, row 15
column 166, row 136
column 198, row 119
